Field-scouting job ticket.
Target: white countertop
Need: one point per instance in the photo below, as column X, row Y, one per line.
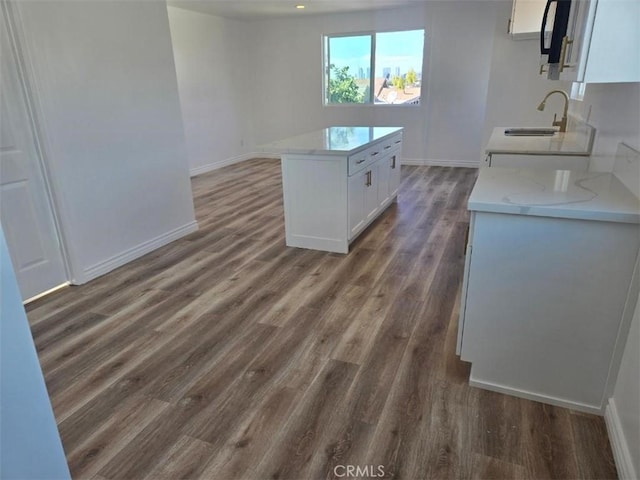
column 331, row 141
column 554, row 193
column 577, row 141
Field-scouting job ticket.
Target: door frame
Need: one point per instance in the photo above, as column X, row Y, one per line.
column 10, row 15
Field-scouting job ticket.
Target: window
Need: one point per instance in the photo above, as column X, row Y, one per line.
column 373, row 68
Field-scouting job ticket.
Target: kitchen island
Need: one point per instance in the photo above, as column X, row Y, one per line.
column 336, row 181
column 551, row 281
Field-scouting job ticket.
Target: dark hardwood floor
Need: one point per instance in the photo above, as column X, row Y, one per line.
column 227, row 355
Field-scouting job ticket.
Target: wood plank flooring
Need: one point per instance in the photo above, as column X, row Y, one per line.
column 227, row 355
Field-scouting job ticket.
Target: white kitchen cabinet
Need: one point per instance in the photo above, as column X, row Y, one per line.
column 371, row 205
column 362, row 196
column 554, row 162
column 394, row 173
column 551, row 275
column 383, row 179
column 336, row 182
column 373, row 188
column 388, row 177
column 526, row 19
column 602, row 42
column 357, row 214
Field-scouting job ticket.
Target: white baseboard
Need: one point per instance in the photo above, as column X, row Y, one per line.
column 621, row 453
column 273, row 156
column 452, row 163
column 230, row 161
column 222, row 163
column 139, row 250
column 559, row 402
column 440, row 162
column 416, row 162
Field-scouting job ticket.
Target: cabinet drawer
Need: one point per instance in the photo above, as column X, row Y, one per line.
column 363, row 159
column 391, row 144
column 358, row 161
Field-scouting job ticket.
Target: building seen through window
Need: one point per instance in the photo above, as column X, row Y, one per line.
column 375, row 68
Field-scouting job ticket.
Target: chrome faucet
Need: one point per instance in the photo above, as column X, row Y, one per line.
column 562, row 123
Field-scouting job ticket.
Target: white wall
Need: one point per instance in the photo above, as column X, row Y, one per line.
column 615, row 112
column 286, row 72
column 30, row 446
column 214, row 85
column 107, row 98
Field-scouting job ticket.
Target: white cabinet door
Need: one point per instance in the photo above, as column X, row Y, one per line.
column 601, row 38
column 465, row 283
column 578, row 33
column 363, row 199
column 25, row 210
column 355, row 192
column 371, row 204
column 394, row 174
column 384, row 179
column 388, row 178
column 526, row 18
column 542, row 317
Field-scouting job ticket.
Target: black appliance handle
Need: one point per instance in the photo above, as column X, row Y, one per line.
column 544, row 51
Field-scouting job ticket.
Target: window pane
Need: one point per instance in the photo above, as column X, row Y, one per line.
column 398, row 67
column 349, row 69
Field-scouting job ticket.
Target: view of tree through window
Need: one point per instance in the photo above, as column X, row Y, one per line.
column 379, row 68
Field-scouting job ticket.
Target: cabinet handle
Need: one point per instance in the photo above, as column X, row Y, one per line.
column 542, row 70
column 393, row 162
column 358, row 162
column 398, row 141
column 368, row 179
column 563, row 55
column 374, row 154
column 387, row 147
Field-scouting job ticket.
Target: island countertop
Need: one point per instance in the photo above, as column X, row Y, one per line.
column 338, row 140
column 554, row 193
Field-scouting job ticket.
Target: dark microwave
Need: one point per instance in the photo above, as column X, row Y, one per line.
column 555, row 21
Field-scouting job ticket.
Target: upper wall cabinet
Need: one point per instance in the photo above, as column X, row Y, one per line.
column 526, row 18
column 602, row 42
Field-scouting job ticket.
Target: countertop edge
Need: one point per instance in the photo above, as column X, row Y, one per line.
column 537, row 211
column 578, row 127
column 539, row 153
column 333, row 152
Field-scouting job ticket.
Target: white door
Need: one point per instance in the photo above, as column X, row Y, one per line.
column 25, row 209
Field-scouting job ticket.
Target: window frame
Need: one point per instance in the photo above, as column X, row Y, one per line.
column 326, row 51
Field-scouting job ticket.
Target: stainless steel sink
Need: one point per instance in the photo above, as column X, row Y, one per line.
column 530, row 132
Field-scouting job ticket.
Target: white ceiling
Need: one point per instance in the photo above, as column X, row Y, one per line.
column 250, row 9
